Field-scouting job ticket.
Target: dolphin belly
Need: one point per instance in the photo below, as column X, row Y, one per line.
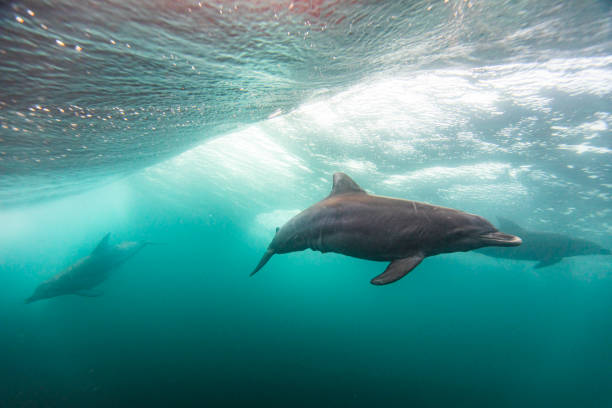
column 376, row 228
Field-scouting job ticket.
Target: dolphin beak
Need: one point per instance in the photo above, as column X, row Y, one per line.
column 500, row 239
column 29, row 300
column 265, row 258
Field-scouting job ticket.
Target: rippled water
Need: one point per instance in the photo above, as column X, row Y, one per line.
column 205, row 125
column 94, row 90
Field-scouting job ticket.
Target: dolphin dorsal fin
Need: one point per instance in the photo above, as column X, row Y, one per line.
column 344, row 184
column 102, row 244
column 508, row 226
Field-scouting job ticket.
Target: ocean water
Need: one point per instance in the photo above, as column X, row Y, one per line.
column 205, row 125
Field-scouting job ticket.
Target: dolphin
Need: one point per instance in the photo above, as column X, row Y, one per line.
column 88, row 272
column 546, row 248
column 352, row 222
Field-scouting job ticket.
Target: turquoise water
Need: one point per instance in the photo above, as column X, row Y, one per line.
column 219, row 122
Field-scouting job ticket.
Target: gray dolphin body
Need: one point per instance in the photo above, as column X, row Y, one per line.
column 88, row 272
column 546, row 248
column 354, row 223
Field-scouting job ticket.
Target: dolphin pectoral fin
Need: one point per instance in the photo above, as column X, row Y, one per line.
column 547, row 262
column 88, row 293
column 264, row 259
column 398, row 269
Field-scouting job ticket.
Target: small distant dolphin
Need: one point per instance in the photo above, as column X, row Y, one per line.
column 354, row 223
column 88, row 272
column 545, row 247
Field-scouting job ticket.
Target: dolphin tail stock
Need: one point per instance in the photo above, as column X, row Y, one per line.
column 500, row 239
column 264, row 259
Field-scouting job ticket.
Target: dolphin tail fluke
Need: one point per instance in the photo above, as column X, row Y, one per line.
column 264, row 259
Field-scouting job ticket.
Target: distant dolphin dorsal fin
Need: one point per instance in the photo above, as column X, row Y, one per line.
column 102, row 245
column 508, row 226
column 344, row 184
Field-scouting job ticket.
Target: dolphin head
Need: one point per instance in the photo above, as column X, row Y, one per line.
column 43, row 291
column 31, row 299
column 120, row 253
column 475, row 232
column 498, row 238
column 130, row 248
